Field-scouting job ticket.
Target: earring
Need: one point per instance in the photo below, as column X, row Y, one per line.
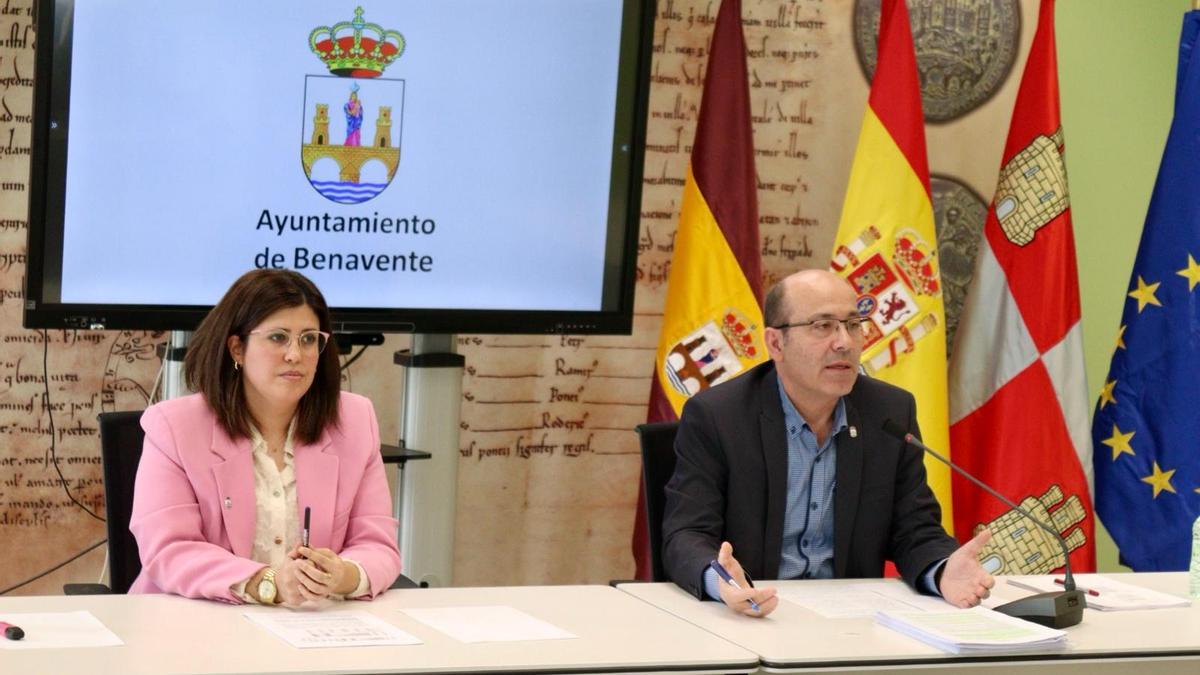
column 237, row 365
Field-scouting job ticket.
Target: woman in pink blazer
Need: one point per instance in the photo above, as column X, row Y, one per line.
column 227, row 473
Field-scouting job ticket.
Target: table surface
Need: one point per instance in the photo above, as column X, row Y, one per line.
column 795, row 638
column 169, row 634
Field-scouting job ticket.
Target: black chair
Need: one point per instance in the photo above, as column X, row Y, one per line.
column 121, row 438
column 658, row 463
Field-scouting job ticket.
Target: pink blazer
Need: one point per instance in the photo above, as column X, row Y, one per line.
column 193, row 503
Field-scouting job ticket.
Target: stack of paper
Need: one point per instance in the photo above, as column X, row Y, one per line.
column 972, row 631
column 1105, row 593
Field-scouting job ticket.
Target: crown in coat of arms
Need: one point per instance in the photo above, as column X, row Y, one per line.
column 356, row 48
column 914, row 259
column 739, row 336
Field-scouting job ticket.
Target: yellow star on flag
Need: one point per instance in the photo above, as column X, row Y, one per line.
column 1191, row 272
column 1145, row 294
column 1119, row 442
column 1121, row 338
column 1161, row 480
column 1106, row 393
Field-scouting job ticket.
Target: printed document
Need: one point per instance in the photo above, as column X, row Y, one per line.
column 304, row 630
column 1110, row 594
column 860, row 600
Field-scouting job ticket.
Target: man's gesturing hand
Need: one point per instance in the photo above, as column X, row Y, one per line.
column 964, row 582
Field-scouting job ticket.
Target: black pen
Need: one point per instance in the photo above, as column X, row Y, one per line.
column 11, row 632
column 304, row 534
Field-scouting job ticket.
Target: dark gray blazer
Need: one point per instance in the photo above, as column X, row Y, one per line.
column 730, row 484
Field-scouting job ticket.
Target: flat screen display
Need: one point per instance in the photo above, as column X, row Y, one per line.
column 449, row 166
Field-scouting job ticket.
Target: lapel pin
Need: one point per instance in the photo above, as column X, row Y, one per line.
column 853, row 434
column 228, row 503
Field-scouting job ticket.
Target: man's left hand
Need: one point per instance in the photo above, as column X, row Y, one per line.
column 964, row 582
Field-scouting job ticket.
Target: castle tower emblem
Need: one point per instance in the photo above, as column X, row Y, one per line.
column 352, row 103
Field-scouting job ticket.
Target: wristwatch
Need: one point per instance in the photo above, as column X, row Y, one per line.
column 266, row 587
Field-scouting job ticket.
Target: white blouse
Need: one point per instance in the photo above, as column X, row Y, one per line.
column 277, row 525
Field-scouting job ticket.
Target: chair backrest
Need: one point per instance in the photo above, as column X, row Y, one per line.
column 121, row 438
column 658, row 463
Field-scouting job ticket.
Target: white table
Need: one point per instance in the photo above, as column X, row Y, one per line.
column 168, row 634
column 795, row 639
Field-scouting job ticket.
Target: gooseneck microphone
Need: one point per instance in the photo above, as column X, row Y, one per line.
column 1057, row 609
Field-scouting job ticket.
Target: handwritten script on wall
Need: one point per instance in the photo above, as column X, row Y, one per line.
column 52, row 383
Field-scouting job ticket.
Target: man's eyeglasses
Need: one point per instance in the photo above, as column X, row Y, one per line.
column 856, row 327
column 309, row 341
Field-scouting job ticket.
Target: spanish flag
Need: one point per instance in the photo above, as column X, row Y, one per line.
column 887, row 246
column 712, row 321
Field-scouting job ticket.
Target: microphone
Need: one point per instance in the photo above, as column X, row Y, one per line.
column 1057, row 609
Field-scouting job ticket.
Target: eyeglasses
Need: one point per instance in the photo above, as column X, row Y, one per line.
column 309, row 341
column 856, row 327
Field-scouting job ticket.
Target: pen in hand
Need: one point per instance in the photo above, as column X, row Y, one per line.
column 724, row 574
column 304, row 532
column 11, row 632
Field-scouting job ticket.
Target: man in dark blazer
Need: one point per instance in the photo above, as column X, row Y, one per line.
column 749, row 477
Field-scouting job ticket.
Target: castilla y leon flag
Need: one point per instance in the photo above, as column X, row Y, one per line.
column 887, row 247
column 712, row 321
column 1018, row 396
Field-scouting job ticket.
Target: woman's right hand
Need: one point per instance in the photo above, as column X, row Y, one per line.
column 295, row 586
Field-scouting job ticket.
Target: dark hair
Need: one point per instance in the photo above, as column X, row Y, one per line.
column 208, row 365
column 774, row 307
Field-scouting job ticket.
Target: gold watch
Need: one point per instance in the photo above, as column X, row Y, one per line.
column 266, row 587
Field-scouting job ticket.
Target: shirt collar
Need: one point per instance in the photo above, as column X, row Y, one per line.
column 259, row 444
column 794, row 422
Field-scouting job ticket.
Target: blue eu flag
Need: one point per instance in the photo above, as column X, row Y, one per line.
column 1146, row 428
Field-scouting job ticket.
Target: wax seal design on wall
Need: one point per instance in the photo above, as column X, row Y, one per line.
column 965, row 49
column 959, row 214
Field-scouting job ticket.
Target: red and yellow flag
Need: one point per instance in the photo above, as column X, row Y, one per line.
column 712, row 321
column 887, row 245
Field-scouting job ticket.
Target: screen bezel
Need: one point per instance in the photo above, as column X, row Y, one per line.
column 48, row 154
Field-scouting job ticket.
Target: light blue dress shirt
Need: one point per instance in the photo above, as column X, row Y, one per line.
column 808, row 521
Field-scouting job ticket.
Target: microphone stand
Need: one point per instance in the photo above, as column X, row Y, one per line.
column 1056, row 609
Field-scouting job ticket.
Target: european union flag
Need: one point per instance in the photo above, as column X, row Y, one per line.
column 1147, row 423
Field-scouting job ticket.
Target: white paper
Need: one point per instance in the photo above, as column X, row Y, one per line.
column 493, row 623
column 973, row 630
column 58, row 630
column 304, row 630
column 859, row 600
column 1111, row 595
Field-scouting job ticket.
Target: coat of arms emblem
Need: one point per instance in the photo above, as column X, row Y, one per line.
column 351, row 155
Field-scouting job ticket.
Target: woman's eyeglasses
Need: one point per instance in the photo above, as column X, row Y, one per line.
column 309, row 341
